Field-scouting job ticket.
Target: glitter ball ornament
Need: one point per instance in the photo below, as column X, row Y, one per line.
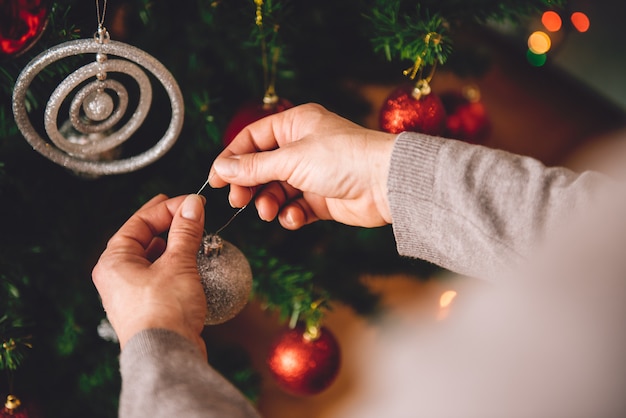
column 467, row 118
column 251, row 112
column 413, row 108
column 226, row 278
column 305, row 362
column 21, row 24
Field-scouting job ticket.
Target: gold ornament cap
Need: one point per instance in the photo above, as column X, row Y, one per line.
column 12, row 403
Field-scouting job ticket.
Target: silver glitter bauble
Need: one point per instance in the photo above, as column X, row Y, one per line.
column 226, row 278
column 98, row 108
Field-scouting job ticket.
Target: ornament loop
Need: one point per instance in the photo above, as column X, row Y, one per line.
column 102, row 35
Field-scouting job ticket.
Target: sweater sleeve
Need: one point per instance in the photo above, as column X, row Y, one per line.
column 164, row 375
column 475, row 210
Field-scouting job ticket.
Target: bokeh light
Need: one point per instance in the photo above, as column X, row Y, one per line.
column 446, row 298
column 536, row 60
column 580, row 21
column 551, row 21
column 539, row 42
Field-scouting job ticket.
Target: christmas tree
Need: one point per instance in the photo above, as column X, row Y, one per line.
column 267, row 55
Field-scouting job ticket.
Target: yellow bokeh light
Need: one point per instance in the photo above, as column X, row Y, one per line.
column 539, row 42
column 446, row 298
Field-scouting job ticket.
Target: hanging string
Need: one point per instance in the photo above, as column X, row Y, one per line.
column 206, row 183
column 101, row 16
column 101, row 35
column 236, row 213
column 230, row 220
column 269, row 69
column 258, row 20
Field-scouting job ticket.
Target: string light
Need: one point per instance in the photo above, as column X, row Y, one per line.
column 536, row 60
column 446, row 298
column 580, row 21
column 551, row 21
column 539, row 42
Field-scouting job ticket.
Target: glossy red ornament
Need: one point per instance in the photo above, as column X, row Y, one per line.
column 467, row 117
column 252, row 111
column 403, row 110
column 21, row 24
column 302, row 365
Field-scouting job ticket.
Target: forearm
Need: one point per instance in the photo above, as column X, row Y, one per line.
column 475, row 210
column 164, row 375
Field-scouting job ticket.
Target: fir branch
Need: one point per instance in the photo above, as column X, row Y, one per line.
column 413, row 35
column 14, row 343
column 287, row 289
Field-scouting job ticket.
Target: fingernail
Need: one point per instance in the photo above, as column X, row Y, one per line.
column 289, row 218
column 211, row 175
column 192, row 207
column 226, row 167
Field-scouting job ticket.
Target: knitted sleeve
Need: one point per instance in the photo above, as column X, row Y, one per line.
column 164, row 375
column 476, row 210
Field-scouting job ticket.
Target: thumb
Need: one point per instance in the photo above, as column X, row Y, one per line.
column 254, row 169
column 187, row 226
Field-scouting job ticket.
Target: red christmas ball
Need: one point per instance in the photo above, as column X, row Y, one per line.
column 21, row 24
column 252, row 111
column 467, row 117
column 303, row 365
column 403, row 110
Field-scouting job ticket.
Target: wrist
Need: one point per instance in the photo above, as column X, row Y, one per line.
column 381, row 165
column 142, row 321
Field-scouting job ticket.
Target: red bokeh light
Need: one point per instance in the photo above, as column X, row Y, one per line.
column 551, row 21
column 580, row 21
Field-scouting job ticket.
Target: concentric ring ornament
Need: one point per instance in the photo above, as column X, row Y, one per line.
column 93, row 114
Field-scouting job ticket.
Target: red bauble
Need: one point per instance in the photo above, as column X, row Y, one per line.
column 467, row 117
column 21, row 24
column 251, row 112
column 304, row 366
column 402, row 111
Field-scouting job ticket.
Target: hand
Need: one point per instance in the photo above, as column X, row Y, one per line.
column 312, row 165
column 145, row 282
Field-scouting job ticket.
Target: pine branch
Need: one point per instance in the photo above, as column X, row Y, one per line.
column 14, row 343
column 413, row 35
column 287, row 289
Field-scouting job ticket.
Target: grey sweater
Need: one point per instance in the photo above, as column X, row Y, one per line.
column 472, row 210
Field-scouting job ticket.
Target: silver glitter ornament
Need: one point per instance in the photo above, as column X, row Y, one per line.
column 226, row 278
column 98, row 107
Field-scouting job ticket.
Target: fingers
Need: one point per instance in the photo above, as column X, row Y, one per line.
column 154, row 201
column 187, row 227
column 272, row 198
column 253, row 169
column 155, row 249
column 267, row 134
column 149, row 221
